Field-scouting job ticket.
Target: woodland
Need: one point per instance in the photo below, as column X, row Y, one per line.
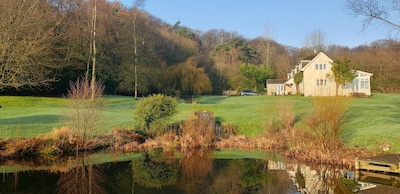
column 46, row 44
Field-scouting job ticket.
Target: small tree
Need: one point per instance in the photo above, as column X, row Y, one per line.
column 298, row 78
column 342, row 73
column 84, row 114
column 155, row 108
column 254, row 76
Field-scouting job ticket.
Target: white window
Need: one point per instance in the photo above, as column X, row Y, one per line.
column 364, row 84
column 316, row 66
column 321, row 82
column 324, row 66
column 320, row 66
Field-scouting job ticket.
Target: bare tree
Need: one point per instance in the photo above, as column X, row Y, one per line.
column 267, row 43
column 137, row 4
column 27, row 38
column 315, row 41
column 93, row 49
column 381, row 11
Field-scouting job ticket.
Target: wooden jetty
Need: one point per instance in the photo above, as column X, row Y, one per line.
column 389, row 163
column 377, row 178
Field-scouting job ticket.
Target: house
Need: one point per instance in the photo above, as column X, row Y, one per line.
column 276, row 87
column 316, row 82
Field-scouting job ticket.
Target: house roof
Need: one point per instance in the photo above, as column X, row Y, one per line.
column 319, row 55
column 370, row 74
column 310, row 57
column 290, row 81
column 276, row 81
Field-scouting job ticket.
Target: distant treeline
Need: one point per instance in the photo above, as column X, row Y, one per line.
column 44, row 45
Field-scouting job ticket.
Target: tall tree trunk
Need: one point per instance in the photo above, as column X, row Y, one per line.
column 137, row 5
column 94, row 20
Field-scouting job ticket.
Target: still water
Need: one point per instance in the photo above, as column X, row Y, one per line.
column 194, row 171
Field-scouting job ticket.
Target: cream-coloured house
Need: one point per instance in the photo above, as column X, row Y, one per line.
column 276, row 87
column 316, row 81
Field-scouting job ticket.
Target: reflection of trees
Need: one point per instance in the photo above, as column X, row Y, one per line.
column 196, row 165
column 119, row 178
column 227, row 180
column 153, row 171
column 254, row 175
column 82, row 179
column 243, row 176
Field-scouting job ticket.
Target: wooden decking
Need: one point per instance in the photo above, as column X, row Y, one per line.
column 388, row 163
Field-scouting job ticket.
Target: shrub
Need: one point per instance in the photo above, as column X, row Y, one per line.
column 84, row 113
column 327, row 120
column 155, row 109
column 197, row 133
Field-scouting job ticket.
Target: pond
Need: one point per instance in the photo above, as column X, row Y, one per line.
column 191, row 171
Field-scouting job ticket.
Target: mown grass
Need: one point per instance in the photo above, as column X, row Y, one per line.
column 369, row 120
column 373, row 120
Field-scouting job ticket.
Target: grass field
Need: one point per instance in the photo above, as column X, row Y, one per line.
column 370, row 120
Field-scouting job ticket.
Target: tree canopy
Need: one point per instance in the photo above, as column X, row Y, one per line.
column 254, row 77
column 155, row 108
column 342, row 72
column 46, row 44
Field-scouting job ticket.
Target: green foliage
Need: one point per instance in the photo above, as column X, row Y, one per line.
column 190, row 78
column 253, row 175
column 350, row 184
column 155, row 108
column 342, row 72
column 254, row 76
column 150, row 171
column 298, row 78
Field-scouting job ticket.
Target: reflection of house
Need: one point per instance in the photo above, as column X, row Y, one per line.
column 311, row 181
column 316, row 81
column 276, row 165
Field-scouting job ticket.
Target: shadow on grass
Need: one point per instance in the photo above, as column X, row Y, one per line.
column 37, row 119
column 211, row 99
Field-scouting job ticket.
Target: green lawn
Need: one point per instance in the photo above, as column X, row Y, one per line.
column 369, row 122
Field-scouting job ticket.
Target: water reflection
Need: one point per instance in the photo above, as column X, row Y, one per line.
column 189, row 171
column 154, row 170
column 82, row 179
column 195, row 166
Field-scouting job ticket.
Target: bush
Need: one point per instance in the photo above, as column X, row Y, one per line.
column 155, row 109
column 83, row 115
column 327, row 120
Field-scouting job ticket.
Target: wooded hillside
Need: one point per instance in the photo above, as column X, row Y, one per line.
column 46, row 44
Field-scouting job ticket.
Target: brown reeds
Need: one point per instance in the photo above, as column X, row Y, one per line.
column 286, row 114
column 197, row 133
column 327, row 120
column 59, row 134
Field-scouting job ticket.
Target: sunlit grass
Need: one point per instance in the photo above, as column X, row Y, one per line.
column 373, row 120
column 370, row 120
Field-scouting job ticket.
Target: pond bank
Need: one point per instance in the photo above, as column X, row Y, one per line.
column 128, row 141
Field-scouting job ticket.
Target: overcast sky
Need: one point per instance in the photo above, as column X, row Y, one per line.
column 286, row 21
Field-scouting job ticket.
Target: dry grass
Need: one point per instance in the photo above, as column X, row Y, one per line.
column 321, row 142
column 197, row 133
column 62, row 134
column 327, row 120
column 286, row 114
